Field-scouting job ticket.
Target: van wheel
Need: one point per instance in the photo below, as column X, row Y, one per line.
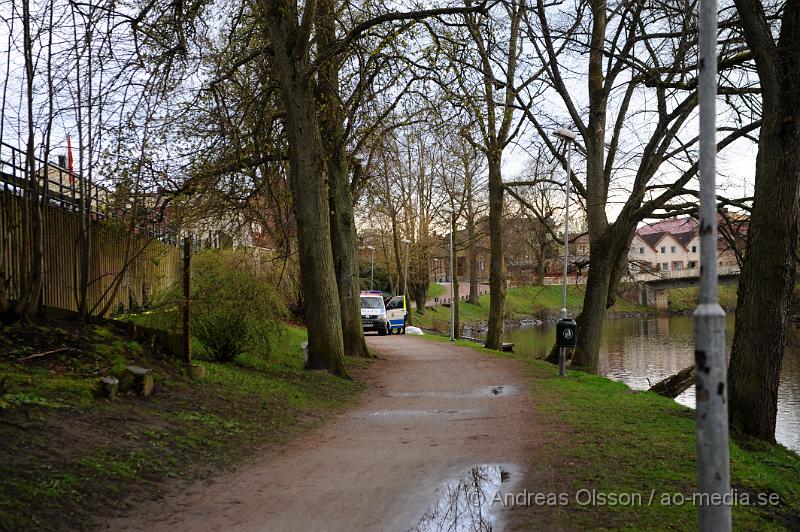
column 382, row 332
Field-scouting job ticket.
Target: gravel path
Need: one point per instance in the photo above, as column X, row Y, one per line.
column 440, row 430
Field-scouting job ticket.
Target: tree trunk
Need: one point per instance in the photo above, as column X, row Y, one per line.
column 32, row 270
column 593, row 313
column 343, row 240
column 497, row 282
column 309, row 196
column 542, row 264
column 343, row 227
column 768, row 273
column 472, row 251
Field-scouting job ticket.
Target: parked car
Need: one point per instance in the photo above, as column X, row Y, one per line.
column 373, row 312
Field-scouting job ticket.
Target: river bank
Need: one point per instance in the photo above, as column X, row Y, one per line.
column 540, row 305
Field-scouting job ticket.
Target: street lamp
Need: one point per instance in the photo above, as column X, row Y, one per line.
column 713, row 459
column 372, row 267
column 565, row 328
column 405, row 269
column 406, row 305
column 452, row 307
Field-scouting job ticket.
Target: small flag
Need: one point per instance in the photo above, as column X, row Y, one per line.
column 69, row 158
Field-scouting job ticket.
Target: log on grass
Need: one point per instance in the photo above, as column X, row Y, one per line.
column 675, row 385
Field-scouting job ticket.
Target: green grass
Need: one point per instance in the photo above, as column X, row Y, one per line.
column 543, row 302
column 109, row 450
column 603, row 436
column 685, row 299
column 436, row 290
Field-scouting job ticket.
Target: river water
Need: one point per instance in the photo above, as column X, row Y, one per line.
column 640, row 352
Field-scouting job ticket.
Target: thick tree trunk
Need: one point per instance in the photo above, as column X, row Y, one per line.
column 343, row 227
column 593, row 314
column 592, row 317
column 497, row 281
column 765, row 288
column 309, row 197
column 343, row 240
column 768, row 273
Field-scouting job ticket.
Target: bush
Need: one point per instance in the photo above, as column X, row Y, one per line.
column 234, row 309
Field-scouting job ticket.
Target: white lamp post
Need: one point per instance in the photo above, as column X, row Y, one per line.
column 565, row 329
column 452, row 223
column 405, row 269
column 372, row 267
column 713, row 460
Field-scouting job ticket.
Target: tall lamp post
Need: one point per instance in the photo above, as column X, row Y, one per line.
column 566, row 331
column 405, row 268
column 372, row 266
column 406, row 305
column 713, row 461
column 452, row 222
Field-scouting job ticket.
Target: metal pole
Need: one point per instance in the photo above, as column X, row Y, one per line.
column 713, row 467
column 372, row 269
column 562, row 351
column 452, row 307
column 405, row 271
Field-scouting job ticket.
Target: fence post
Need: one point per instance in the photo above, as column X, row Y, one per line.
column 187, row 262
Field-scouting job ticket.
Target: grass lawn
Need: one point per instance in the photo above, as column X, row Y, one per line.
column 436, row 290
column 685, row 299
column 604, row 436
column 68, row 457
column 542, row 302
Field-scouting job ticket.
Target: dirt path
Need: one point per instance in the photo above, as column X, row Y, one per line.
column 433, row 413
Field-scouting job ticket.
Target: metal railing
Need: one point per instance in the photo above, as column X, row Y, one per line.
column 55, row 188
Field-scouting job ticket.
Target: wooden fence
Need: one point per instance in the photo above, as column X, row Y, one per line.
column 153, row 264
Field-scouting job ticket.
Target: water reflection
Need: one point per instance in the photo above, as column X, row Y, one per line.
column 465, row 504
column 642, row 352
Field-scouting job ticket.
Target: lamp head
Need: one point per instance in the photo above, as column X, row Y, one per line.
column 565, row 134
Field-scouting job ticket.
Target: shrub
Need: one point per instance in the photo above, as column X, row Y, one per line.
column 234, row 309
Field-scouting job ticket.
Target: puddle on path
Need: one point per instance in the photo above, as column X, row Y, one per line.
column 483, row 391
column 465, row 504
column 389, row 413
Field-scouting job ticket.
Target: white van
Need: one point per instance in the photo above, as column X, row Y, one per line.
column 373, row 312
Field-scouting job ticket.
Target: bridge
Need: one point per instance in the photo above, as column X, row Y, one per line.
column 652, row 287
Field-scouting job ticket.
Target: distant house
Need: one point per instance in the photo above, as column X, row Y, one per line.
column 673, row 246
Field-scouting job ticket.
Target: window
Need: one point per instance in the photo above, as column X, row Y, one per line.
column 395, row 303
column 372, row 302
column 665, row 266
column 641, row 251
column 663, row 249
column 677, row 266
column 672, row 250
column 691, row 265
column 694, row 249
